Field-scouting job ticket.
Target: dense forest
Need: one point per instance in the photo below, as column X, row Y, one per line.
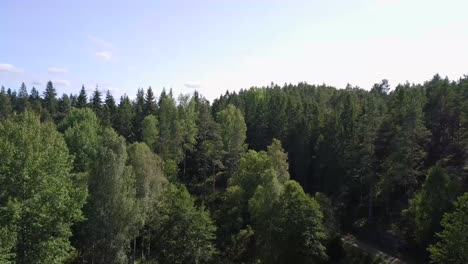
column 275, row 174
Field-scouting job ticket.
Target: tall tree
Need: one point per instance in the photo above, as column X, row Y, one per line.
column 50, row 98
column 111, row 206
column 169, row 133
column 40, row 199
column 82, row 134
column 453, row 240
column 124, row 117
column 428, row 205
column 35, row 100
column 187, row 125
column 149, row 184
column 233, row 134
column 205, row 161
column 279, row 160
column 23, row 100
column 82, row 99
column 108, row 110
column 139, row 109
column 150, row 103
column 178, row 214
column 290, row 225
column 5, row 104
column 150, row 131
column 403, row 164
column 96, row 102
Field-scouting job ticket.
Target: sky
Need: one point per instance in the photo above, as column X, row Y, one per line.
column 218, row 45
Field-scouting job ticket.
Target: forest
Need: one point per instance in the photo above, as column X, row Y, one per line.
column 274, row 174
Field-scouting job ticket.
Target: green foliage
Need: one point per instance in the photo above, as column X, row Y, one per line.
column 289, row 226
column 149, row 177
column 124, row 118
column 150, row 102
column 187, row 125
column 233, row 134
column 184, row 233
column 82, row 134
column 149, row 184
column 255, row 169
column 111, row 206
column 229, row 217
column 170, row 135
column 429, row 204
column 300, row 227
column 5, row 105
column 39, row 199
column 279, row 160
column 401, row 167
column 331, row 222
column 150, row 131
column 82, row 99
column 363, row 153
column 453, row 240
column 50, row 99
column 205, row 161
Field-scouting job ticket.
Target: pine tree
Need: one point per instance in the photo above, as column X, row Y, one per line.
column 5, row 104
column 124, row 117
column 82, row 100
column 96, row 101
column 50, row 99
column 23, row 100
column 150, row 103
column 429, row 204
column 108, row 112
column 139, row 109
column 35, row 100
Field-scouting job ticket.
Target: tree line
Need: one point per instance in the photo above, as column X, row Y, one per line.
column 269, row 174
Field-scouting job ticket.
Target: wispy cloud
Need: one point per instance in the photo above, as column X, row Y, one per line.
column 61, row 82
column 9, row 68
column 57, row 70
column 105, row 48
column 192, row 85
column 104, row 55
column 101, row 43
column 36, row 83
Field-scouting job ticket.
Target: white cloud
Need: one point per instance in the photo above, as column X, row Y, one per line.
column 61, row 82
column 192, row 85
column 36, row 83
column 101, row 43
column 9, row 68
column 105, row 48
column 57, row 70
column 104, row 55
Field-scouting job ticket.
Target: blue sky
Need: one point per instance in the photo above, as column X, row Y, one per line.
column 216, row 45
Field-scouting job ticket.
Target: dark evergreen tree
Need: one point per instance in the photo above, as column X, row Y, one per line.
column 50, row 99
column 82, row 99
column 150, row 103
